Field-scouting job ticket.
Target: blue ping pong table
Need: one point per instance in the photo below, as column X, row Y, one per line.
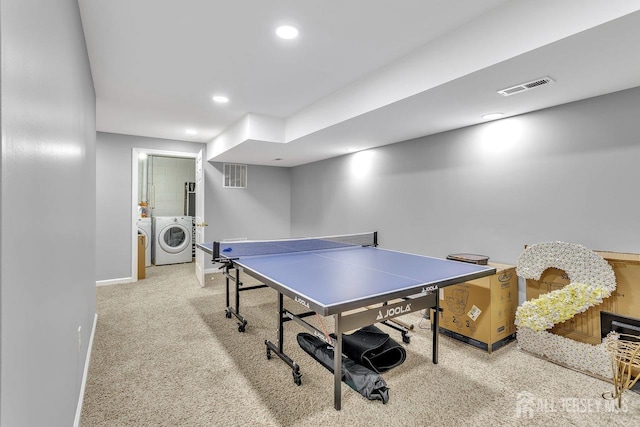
column 348, row 277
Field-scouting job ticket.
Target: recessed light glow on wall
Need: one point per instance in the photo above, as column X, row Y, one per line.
column 362, row 163
column 220, row 99
column 191, row 132
column 287, row 32
column 501, row 136
column 492, row 116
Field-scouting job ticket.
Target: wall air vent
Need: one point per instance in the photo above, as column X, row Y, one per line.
column 234, row 176
column 525, row 86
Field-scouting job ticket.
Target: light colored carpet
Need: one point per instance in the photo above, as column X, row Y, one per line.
column 165, row 355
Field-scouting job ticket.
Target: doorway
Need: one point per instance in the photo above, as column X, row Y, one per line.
column 142, row 193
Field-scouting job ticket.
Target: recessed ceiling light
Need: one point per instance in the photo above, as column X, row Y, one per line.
column 287, row 32
column 191, row 132
column 221, row 99
column 492, row 116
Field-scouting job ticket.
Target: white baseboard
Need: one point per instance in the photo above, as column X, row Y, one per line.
column 85, row 374
column 115, row 281
column 131, row 279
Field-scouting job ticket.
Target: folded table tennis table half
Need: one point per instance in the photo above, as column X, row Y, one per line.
column 347, row 277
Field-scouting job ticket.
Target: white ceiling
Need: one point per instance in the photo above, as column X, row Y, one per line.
column 363, row 73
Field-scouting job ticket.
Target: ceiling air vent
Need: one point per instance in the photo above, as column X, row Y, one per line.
column 525, row 86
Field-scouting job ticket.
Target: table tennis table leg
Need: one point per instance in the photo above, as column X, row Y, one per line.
column 337, row 365
column 436, row 327
column 243, row 323
column 227, row 275
column 280, row 322
column 278, row 349
column 230, row 311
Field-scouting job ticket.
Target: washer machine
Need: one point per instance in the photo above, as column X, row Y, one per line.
column 144, row 228
column 172, row 240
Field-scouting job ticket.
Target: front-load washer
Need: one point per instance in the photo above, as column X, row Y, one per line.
column 144, row 228
column 172, row 240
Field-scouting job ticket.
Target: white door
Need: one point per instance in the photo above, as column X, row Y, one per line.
column 200, row 224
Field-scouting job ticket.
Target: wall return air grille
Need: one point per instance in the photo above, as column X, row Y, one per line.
column 234, row 176
column 525, row 86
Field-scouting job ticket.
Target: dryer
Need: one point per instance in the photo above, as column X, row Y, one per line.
column 172, row 240
column 144, row 228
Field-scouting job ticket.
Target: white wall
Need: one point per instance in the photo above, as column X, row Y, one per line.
column 260, row 211
column 47, row 246
column 167, row 176
column 568, row 173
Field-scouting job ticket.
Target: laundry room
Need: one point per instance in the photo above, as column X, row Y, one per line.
column 166, row 208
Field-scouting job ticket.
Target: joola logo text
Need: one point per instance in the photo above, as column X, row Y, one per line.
column 428, row 289
column 390, row 312
column 301, row 301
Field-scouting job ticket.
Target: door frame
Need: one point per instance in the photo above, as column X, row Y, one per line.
column 135, row 152
column 199, row 220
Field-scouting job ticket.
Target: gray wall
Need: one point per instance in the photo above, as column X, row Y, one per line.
column 260, row 211
column 48, row 212
column 568, row 173
column 113, row 198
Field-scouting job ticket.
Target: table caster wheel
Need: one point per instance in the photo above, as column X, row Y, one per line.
column 241, row 327
column 227, row 314
column 406, row 339
column 268, row 353
column 297, row 378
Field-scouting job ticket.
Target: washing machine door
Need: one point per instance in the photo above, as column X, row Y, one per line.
column 174, row 238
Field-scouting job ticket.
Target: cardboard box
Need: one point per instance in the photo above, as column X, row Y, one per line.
column 585, row 327
column 482, row 312
column 141, row 256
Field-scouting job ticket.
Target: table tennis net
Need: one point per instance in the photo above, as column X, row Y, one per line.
column 243, row 248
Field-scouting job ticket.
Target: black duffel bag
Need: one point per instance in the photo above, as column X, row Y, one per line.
column 360, row 378
column 374, row 349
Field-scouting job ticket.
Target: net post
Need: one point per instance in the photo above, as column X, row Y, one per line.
column 216, row 250
column 375, row 239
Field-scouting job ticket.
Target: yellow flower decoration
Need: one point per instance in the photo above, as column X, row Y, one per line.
column 559, row 306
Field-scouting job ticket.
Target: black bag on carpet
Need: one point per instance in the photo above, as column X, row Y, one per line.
column 374, row 349
column 358, row 377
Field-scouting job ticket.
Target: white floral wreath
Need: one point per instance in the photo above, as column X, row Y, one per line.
column 592, row 279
